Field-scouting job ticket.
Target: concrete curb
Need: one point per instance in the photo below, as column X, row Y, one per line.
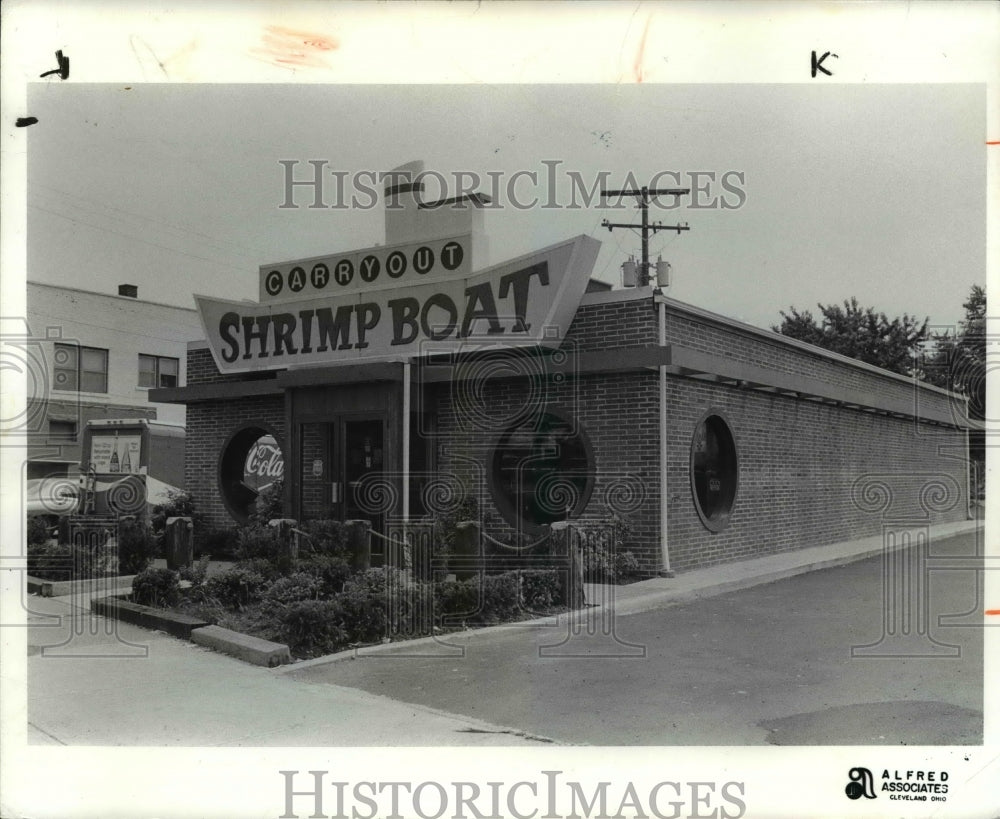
column 62, row 588
column 178, row 625
column 242, row 646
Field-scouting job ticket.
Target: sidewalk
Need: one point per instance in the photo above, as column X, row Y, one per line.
column 115, row 684
column 606, row 602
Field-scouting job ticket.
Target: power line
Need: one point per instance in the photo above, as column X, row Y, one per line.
column 644, row 194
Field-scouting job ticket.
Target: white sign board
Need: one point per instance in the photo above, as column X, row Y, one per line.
column 368, row 269
column 115, row 453
column 530, row 300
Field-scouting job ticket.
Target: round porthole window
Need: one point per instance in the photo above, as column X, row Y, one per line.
column 542, row 471
column 714, row 473
column 251, row 461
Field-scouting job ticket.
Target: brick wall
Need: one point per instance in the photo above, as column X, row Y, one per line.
column 209, row 426
column 798, row 460
column 809, row 473
column 201, row 369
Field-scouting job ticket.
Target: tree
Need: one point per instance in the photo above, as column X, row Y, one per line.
column 860, row 332
column 958, row 363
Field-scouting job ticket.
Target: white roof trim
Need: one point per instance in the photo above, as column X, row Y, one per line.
column 778, row 338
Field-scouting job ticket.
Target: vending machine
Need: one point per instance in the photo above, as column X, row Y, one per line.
column 129, row 465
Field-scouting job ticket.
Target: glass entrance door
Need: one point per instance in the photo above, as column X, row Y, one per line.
column 357, row 459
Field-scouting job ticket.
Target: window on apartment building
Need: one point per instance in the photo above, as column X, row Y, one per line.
column 542, row 472
column 62, row 430
column 158, row 371
column 714, row 472
column 84, row 369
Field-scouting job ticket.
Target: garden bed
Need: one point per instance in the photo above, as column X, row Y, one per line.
column 318, row 609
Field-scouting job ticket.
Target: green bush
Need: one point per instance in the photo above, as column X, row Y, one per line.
column 179, row 504
column 50, row 561
column 136, row 545
column 313, row 627
column 365, row 605
column 39, row 530
column 197, row 573
column 323, row 536
column 500, row 597
column 269, row 504
column 456, row 599
column 156, row 587
column 236, row 587
column 217, row 542
column 332, row 571
column 293, row 589
column 255, row 541
column 265, row 568
column 605, row 552
column 541, row 589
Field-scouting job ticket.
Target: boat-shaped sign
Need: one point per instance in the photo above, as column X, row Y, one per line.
column 525, row 301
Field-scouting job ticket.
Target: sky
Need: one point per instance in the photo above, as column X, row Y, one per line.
column 868, row 191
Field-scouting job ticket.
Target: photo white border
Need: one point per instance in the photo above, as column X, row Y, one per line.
column 684, row 42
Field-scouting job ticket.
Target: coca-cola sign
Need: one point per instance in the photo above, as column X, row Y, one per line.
column 264, row 464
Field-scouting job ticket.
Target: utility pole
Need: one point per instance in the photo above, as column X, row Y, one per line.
column 644, row 194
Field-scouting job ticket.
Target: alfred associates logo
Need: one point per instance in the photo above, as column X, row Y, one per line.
column 915, row 786
column 862, row 784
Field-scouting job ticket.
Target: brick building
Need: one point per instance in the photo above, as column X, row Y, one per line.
column 98, row 357
column 550, row 397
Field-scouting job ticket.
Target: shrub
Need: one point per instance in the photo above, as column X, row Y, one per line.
column 270, row 504
column 156, row 587
column 136, row 545
column 605, row 552
column 216, row 542
column 456, row 599
column 541, row 589
column 293, row 589
column 332, row 571
column 265, row 568
column 500, row 597
column 365, row 604
column 256, row 541
column 313, row 627
column 236, row 587
column 39, row 530
column 179, row 504
column 50, row 561
column 468, row 509
column 487, row 599
column 323, row 536
column 195, row 574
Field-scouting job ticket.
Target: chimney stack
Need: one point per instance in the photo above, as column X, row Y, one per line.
column 130, row 290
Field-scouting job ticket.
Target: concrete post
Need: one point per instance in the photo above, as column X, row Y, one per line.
column 288, row 537
column 178, row 540
column 359, row 543
column 568, row 545
column 466, row 547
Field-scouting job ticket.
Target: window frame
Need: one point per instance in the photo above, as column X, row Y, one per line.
column 157, row 372
column 77, row 368
column 718, row 520
column 507, row 508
